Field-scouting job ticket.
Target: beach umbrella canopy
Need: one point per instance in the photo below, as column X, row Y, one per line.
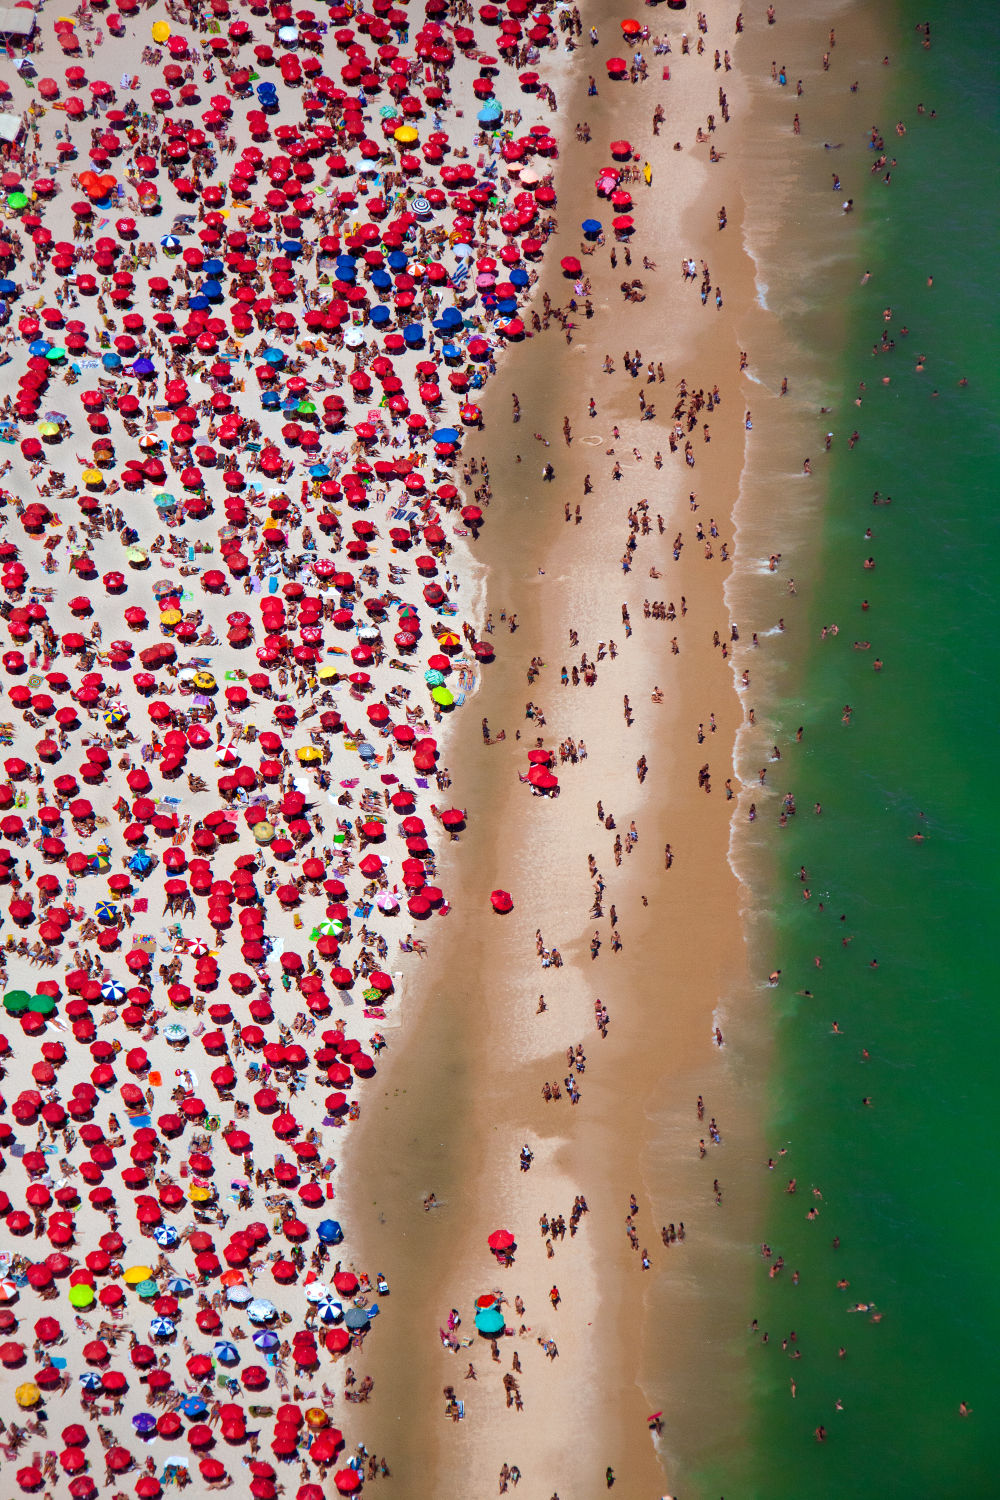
column 489, row 1321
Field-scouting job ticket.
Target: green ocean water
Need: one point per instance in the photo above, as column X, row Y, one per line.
column 908, row 1182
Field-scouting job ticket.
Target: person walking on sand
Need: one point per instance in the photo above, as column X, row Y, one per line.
column 554, row 1296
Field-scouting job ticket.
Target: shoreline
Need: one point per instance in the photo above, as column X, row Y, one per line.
column 918, row 908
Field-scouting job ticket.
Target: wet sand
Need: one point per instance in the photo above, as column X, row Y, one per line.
column 462, row 1088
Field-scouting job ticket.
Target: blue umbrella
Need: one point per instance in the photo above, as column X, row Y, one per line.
column 144, row 1422
column 141, row 862
column 291, row 247
column 413, row 333
column 398, row 260
column 451, row 351
column 91, row 1381
column 447, row 435
column 39, row 348
column 162, row 1328
column 380, row 314
column 112, row 989
column 105, row 912
column 198, row 303
column 178, row 1286
column 226, row 1353
column 518, row 277
column 143, row 366
column 212, row 290
column 270, row 400
column 329, row 1310
column 490, row 113
column 7, row 287
column 170, row 242
column 329, row 1231
column 265, row 1340
column 319, row 471
column 591, row 226
column 381, row 279
column 489, row 1321
column 274, row 357
column 193, row 1406
column 111, row 361
column 213, row 267
column 166, row 1236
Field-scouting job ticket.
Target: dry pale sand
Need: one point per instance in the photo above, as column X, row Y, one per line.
column 187, row 1066
column 463, row 1088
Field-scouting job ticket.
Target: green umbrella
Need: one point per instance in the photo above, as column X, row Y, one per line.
column 81, row 1296
column 55, row 354
column 443, row 696
column 16, row 1002
column 147, row 1288
column 433, row 677
column 17, row 201
column 307, row 408
column 42, row 1005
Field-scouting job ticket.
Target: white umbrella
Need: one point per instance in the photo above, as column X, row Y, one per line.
column 261, row 1311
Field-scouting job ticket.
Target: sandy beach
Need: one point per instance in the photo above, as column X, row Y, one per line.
column 456, row 607
column 464, row 1092
column 209, row 471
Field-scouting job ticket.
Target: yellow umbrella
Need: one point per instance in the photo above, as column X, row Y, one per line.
column 199, row 1194
column 161, row 31
column 171, row 617
column 205, row 681
column 263, row 832
column 308, row 755
column 135, row 1274
column 316, row 1417
column 48, row 429
column 136, row 556
column 448, row 638
column 405, row 135
column 326, row 673
column 92, row 476
column 27, row 1395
